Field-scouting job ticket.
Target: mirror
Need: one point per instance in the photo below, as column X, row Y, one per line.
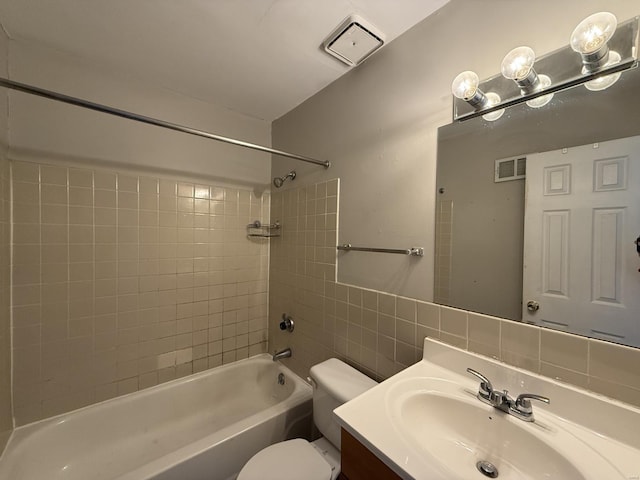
column 480, row 223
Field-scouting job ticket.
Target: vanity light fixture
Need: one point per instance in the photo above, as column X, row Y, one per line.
column 465, row 87
column 590, row 39
column 517, row 65
column 606, row 49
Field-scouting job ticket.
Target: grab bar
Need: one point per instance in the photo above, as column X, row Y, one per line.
column 413, row 251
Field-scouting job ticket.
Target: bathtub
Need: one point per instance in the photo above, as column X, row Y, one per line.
column 205, row 426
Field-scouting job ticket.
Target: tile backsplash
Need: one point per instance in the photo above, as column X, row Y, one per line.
column 123, row 281
column 382, row 334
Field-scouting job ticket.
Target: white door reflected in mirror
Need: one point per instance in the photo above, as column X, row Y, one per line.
column 583, row 210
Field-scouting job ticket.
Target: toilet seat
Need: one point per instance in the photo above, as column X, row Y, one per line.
column 289, row 460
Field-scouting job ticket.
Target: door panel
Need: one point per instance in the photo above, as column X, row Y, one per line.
column 581, row 219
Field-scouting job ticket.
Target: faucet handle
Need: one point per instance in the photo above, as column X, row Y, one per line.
column 523, row 402
column 286, row 323
column 485, row 385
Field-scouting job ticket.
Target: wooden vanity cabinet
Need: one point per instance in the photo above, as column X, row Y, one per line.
column 359, row 463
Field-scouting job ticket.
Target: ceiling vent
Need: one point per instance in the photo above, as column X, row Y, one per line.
column 353, row 41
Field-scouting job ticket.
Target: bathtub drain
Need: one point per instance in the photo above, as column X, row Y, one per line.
column 488, row 469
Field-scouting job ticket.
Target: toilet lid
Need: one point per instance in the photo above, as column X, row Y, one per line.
column 290, row 460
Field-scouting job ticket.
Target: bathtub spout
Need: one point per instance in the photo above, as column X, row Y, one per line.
column 286, row 353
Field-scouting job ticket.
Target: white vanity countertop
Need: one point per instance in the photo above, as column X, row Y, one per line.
column 608, row 427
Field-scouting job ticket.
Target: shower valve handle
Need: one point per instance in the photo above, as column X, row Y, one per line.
column 286, row 323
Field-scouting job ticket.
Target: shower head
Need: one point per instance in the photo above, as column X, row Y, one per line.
column 279, row 181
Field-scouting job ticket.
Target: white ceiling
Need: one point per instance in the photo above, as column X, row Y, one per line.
column 258, row 57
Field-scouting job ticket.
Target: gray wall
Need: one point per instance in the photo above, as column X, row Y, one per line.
column 378, row 126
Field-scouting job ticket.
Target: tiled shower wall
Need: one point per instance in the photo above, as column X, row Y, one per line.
column 6, row 422
column 123, row 281
column 302, row 273
column 382, row 333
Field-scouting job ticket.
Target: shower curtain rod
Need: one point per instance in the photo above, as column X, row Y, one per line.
column 40, row 92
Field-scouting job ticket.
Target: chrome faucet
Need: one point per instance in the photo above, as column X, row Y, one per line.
column 519, row 408
column 286, row 353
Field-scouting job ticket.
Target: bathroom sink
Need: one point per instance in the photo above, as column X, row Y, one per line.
column 468, row 437
column 426, row 423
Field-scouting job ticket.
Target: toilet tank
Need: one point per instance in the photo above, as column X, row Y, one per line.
column 335, row 383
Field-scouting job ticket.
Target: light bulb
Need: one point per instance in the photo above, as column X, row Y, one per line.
column 605, row 81
column 543, row 82
column 593, row 32
column 517, row 64
column 465, row 85
column 590, row 39
column 492, row 99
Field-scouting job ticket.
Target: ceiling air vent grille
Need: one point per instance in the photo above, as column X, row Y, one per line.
column 353, row 41
column 511, row 169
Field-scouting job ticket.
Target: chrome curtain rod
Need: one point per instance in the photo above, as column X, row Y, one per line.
column 40, row 92
column 413, row 251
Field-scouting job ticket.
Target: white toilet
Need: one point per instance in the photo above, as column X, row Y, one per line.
column 335, row 383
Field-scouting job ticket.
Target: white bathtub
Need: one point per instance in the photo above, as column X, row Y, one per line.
column 205, row 426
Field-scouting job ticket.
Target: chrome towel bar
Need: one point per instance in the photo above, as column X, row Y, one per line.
column 413, row 251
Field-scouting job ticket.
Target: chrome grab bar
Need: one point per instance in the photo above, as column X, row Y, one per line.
column 413, row 251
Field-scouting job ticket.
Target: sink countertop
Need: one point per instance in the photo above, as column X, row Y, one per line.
column 591, row 422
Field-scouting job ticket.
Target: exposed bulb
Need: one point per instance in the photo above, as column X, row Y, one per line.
column 543, row 82
column 593, row 33
column 605, row 81
column 518, row 63
column 465, row 85
column 492, row 99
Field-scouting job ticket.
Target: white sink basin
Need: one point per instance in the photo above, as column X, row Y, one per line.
column 427, row 423
column 462, row 434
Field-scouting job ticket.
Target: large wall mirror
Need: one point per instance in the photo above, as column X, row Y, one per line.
column 538, row 213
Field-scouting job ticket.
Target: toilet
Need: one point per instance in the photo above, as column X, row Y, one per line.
column 334, row 383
